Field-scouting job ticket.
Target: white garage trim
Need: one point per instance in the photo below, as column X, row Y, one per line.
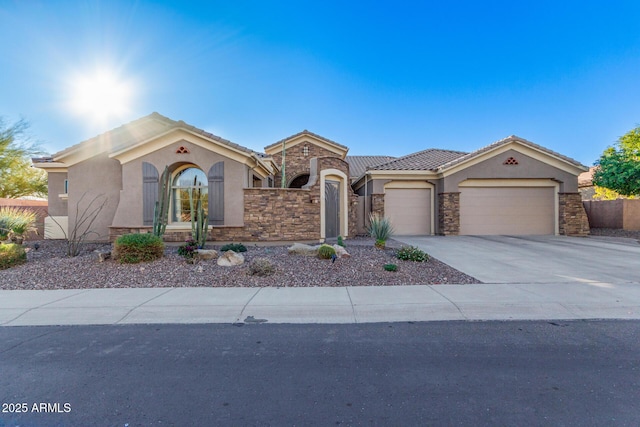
column 521, row 183
column 410, row 185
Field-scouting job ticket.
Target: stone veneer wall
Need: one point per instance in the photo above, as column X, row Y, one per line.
column 377, row 204
column 449, row 214
column 296, row 162
column 573, row 219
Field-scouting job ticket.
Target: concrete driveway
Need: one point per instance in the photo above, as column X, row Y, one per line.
column 536, row 259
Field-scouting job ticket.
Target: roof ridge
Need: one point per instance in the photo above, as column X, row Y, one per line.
column 417, row 153
column 510, row 138
column 307, row 132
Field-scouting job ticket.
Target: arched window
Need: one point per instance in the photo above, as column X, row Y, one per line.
column 188, row 186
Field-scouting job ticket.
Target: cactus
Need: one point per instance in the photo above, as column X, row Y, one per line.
column 161, row 210
column 199, row 223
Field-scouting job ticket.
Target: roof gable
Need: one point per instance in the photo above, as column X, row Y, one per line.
column 131, row 136
column 306, row 136
column 519, row 144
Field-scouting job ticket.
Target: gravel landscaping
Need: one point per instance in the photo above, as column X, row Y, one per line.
column 49, row 268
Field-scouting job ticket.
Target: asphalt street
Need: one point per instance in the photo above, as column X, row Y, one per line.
column 571, row 373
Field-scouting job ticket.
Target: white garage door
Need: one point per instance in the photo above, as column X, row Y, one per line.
column 409, row 210
column 507, row 210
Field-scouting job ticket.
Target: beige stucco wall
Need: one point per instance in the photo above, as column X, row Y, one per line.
column 527, row 168
column 57, row 204
column 98, row 177
column 129, row 213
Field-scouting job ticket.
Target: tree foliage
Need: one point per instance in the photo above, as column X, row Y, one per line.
column 17, row 177
column 619, row 166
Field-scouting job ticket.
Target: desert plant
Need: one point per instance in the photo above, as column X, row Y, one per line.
column 199, row 224
column 411, row 253
column 341, row 241
column 326, row 251
column 78, row 233
column 12, row 255
column 235, row 247
column 134, row 248
column 390, row 267
column 380, row 228
column 16, row 222
column 261, row 267
column 161, row 210
column 188, row 249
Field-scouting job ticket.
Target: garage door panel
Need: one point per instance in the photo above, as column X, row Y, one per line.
column 507, row 210
column 409, row 210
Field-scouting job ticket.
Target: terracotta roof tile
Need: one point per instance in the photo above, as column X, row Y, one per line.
column 428, row 159
column 359, row 164
column 512, row 138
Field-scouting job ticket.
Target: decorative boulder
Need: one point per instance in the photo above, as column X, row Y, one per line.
column 103, row 255
column 230, row 259
column 206, row 254
column 341, row 252
column 302, row 249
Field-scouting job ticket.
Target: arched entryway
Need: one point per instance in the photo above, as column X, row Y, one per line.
column 334, row 215
column 299, row 181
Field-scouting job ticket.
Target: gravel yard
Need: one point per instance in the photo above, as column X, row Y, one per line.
column 49, row 268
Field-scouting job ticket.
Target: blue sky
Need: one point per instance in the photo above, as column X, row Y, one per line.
column 380, row 77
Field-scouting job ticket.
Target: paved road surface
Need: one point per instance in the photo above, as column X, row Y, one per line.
column 577, row 373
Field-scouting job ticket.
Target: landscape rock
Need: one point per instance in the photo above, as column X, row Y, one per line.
column 206, row 254
column 341, row 252
column 103, row 255
column 230, row 259
column 302, row 249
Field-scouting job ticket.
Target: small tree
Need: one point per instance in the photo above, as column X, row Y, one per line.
column 619, row 166
column 17, row 177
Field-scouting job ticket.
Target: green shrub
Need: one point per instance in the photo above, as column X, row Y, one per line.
column 11, row 255
column 16, row 221
column 235, row 247
column 134, row 248
column 411, row 253
column 390, row 267
column 188, row 249
column 380, row 228
column 341, row 241
column 261, row 267
column 326, row 251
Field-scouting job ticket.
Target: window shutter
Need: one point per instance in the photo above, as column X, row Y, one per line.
column 216, row 194
column 149, row 192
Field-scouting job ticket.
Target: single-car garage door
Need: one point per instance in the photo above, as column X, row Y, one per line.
column 409, row 210
column 507, row 210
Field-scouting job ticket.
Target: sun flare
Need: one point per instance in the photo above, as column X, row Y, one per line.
column 100, row 96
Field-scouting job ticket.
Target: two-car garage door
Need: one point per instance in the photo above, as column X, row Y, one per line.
column 507, row 210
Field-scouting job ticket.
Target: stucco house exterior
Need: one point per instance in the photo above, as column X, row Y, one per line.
column 510, row 187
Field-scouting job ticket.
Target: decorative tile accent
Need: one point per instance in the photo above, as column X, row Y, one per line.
column 182, row 150
column 511, row 161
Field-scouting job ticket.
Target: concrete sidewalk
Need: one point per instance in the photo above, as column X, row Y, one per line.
column 354, row 304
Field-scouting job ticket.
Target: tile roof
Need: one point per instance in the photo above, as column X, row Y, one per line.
column 306, row 132
column 139, row 130
column 428, row 159
column 512, row 138
column 359, row 164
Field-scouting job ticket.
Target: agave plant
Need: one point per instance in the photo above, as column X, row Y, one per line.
column 380, row 228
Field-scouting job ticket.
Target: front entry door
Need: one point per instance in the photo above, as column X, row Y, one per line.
column 331, row 209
